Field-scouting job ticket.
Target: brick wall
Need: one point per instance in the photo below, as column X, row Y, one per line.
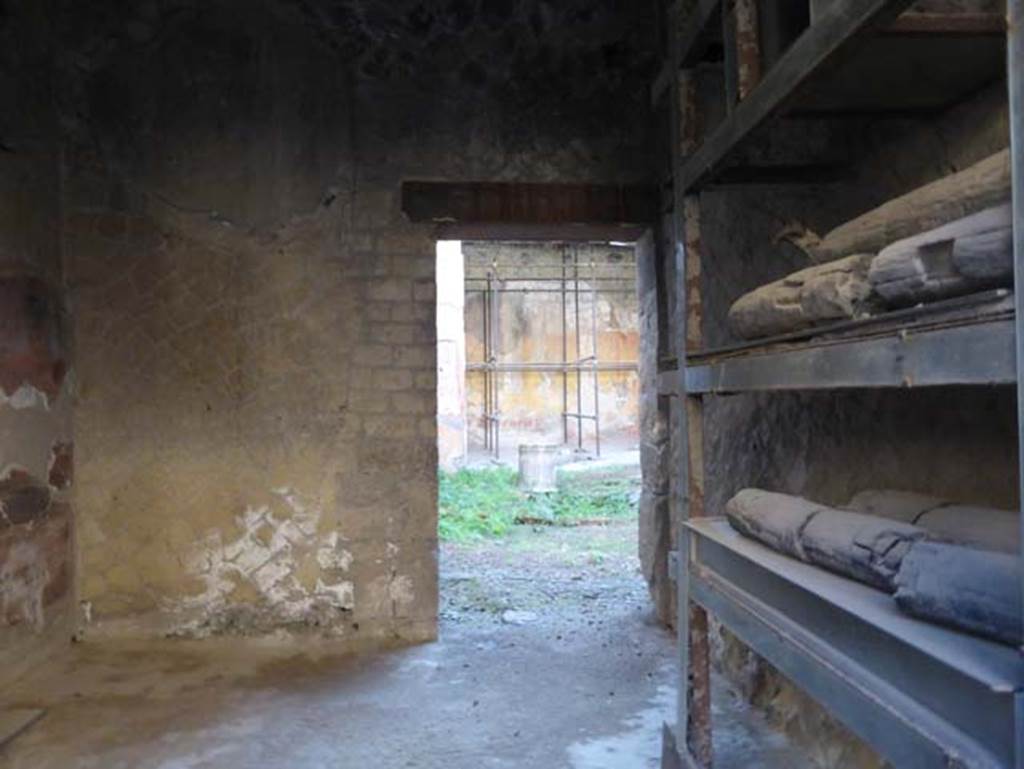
column 255, row 321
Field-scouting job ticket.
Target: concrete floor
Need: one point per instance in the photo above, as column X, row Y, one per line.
column 581, row 678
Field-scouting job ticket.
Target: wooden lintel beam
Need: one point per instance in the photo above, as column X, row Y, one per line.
column 528, row 203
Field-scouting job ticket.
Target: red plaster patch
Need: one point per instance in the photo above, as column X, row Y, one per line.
column 31, row 349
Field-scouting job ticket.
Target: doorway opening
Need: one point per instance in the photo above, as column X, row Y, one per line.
column 538, row 432
column 538, row 345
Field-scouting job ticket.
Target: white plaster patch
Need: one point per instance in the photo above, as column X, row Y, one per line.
column 332, row 555
column 23, row 579
column 25, row 397
column 267, row 556
column 342, row 594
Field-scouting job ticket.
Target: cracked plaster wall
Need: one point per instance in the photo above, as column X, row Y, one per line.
column 36, row 449
column 254, row 319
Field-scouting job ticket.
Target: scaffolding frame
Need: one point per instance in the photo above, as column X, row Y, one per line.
column 569, row 288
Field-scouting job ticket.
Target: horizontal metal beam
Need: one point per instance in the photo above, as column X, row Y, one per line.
column 814, row 49
column 559, row 278
column 974, row 354
column 558, row 367
column 481, row 203
column 922, row 695
column 568, row 292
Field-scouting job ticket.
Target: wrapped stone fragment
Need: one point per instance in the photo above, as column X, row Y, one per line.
column 864, row 547
column 980, row 186
column 867, row 548
column 966, row 255
column 903, row 506
column 965, row 588
column 988, row 528
column 835, row 291
column 771, row 518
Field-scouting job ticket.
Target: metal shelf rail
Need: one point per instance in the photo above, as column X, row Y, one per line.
column 923, row 696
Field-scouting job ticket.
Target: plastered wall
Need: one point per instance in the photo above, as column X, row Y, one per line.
column 36, row 380
column 255, row 321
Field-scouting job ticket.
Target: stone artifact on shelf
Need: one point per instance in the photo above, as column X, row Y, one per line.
column 969, row 589
column 966, row 255
column 988, row 528
column 982, row 185
column 838, row 290
column 947, row 238
column 897, row 545
column 867, row 548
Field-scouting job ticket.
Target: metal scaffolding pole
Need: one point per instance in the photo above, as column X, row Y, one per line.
column 565, row 356
column 596, row 373
column 574, row 284
column 579, row 348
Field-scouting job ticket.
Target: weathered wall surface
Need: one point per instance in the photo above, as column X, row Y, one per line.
column 529, row 330
column 955, row 442
column 36, row 450
column 256, row 323
column 656, row 535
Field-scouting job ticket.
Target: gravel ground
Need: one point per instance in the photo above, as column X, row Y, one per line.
column 567, row 578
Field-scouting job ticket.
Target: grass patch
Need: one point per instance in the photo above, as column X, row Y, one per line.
column 475, row 504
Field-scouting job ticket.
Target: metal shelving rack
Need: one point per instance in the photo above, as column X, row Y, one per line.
column 922, row 695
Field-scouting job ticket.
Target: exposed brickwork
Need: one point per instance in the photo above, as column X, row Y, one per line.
column 255, row 439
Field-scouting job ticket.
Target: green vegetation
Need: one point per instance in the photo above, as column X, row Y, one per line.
column 487, row 503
